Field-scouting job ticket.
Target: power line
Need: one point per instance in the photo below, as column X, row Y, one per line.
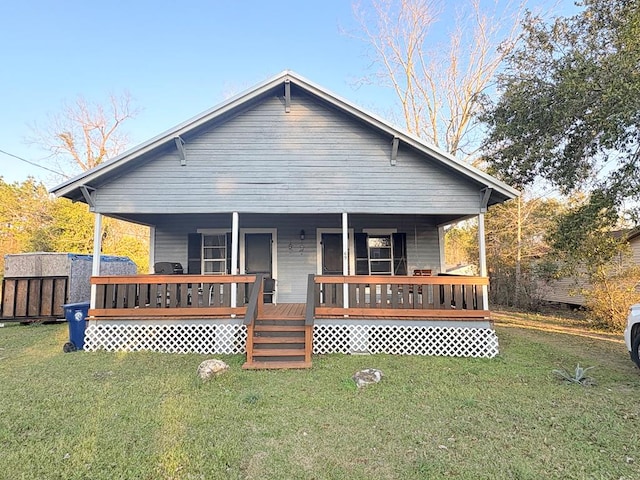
column 33, row 163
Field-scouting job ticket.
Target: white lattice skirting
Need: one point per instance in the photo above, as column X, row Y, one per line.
column 231, row 339
column 406, row 340
column 173, row 338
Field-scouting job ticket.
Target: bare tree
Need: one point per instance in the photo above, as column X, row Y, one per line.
column 439, row 84
column 82, row 136
column 85, row 133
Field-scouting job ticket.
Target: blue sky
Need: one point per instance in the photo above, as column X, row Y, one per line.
column 176, row 59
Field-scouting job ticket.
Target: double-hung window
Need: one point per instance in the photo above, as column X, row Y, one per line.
column 214, row 254
column 209, row 252
column 381, row 253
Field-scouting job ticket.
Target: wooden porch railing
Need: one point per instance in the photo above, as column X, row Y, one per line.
column 149, row 296
column 254, row 309
column 451, row 297
column 309, row 317
column 312, row 297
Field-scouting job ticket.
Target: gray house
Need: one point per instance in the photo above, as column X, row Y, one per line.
column 570, row 290
column 290, row 190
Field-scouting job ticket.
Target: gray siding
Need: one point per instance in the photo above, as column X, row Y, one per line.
column 313, row 159
column 563, row 290
column 296, row 263
column 634, row 245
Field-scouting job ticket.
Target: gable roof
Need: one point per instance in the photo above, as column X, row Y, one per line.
column 73, row 188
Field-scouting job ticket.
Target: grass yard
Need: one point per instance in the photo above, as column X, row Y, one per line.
column 148, row 416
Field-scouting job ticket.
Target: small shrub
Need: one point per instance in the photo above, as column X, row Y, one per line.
column 579, row 376
column 610, row 296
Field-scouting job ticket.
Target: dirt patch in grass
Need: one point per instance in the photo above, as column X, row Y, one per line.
column 573, row 324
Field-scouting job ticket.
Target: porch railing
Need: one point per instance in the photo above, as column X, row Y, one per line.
column 450, row 297
column 170, row 295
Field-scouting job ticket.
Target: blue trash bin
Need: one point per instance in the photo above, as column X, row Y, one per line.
column 76, row 316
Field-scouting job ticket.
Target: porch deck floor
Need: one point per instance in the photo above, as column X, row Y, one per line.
column 283, row 311
column 296, row 311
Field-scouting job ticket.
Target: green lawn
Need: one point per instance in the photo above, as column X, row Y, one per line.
column 147, row 415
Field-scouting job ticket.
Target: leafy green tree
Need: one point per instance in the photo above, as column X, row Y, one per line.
column 72, row 227
column 461, row 244
column 569, row 108
column 612, row 289
column 568, row 114
column 32, row 221
column 130, row 240
column 25, row 213
column 599, row 259
column 72, row 231
column 516, row 246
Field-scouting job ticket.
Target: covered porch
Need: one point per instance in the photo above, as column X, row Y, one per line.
column 440, row 315
column 286, row 247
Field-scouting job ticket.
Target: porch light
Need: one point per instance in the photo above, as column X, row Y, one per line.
column 301, row 235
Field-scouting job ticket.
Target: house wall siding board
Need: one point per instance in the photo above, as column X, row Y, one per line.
column 171, row 234
column 312, row 159
column 296, row 259
column 564, row 290
column 634, row 245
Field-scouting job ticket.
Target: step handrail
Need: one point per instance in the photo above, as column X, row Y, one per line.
column 256, row 299
column 311, row 300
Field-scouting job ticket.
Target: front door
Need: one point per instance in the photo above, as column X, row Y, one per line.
column 331, row 254
column 258, row 259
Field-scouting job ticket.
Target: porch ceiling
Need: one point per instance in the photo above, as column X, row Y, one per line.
column 155, row 219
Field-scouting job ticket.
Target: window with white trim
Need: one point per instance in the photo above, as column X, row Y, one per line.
column 380, row 254
column 214, row 254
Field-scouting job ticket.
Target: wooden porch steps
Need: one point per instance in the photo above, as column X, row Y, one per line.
column 278, row 328
column 278, row 352
column 276, row 365
column 279, row 340
column 275, row 339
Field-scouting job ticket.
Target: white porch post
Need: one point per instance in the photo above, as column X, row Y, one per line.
column 441, row 235
column 345, row 257
column 97, row 249
column 152, row 248
column 234, row 255
column 483, row 260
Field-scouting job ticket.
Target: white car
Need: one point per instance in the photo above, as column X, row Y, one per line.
column 632, row 333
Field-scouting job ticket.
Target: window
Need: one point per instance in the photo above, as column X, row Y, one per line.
column 214, row 254
column 380, row 253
